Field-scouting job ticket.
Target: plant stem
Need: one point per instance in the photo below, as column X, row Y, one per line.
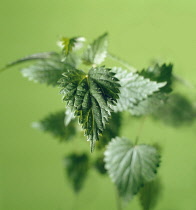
column 74, row 205
column 140, row 129
column 118, row 201
column 124, row 63
column 183, row 81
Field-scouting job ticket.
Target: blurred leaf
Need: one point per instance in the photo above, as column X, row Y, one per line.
column 54, row 124
column 70, row 44
column 134, row 88
column 160, row 73
column 150, row 194
column 73, row 60
column 111, row 131
column 97, row 51
column 177, row 111
column 36, row 56
column 90, row 97
column 100, row 165
column 77, row 166
column 47, row 71
column 149, row 105
column 130, row 166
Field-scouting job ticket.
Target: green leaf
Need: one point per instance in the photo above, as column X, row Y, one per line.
column 70, row 44
column 160, row 73
column 150, row 194
column 99, row 164
column 177, row 111
column 130, row 166
column 77, row 167
column 112, row 130
column 134, row 88
column 54, row 124
column 69, row 116
column 47, row 71
column 37, row 56
column 97, row 51
column 150, row 105
column 73, row 60
column 90, row 96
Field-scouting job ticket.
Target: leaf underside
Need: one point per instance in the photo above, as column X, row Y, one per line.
column 97, row 51
column 36, row 56
column 134, row 89
column 90, row 96
column 130, row 166
column 47, row 71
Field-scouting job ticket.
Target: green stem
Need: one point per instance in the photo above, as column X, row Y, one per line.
column 184, row 82
column 124, row 63
column 118, row 201
column 74, row 205
column 140, row 129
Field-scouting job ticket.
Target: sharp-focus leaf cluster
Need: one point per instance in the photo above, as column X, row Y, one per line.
column 90, row 96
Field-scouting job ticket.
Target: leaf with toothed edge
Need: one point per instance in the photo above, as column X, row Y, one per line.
column 91, row 97
column 130, row 166
column 134, row 88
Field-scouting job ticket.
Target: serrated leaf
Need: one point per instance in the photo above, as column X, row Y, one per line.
column 96, row 51
column 70, row 44
column 134, row 88
column 47, row 71
column 150, row 194
column 130, row 166
column 90, row 96
column 54, row 124
column 160, row 73
column 76, row 167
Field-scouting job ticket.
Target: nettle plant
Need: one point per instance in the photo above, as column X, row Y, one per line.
column 98, row 99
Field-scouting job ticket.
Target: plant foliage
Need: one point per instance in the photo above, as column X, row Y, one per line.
column 96, row 51
column 55, row 125
column 134, row 88
column 98, row 96
column 150, row 194
column 130, row 166
column 77, row 166
column 90, row 96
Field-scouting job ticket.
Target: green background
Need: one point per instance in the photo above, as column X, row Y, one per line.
column 31, row 167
